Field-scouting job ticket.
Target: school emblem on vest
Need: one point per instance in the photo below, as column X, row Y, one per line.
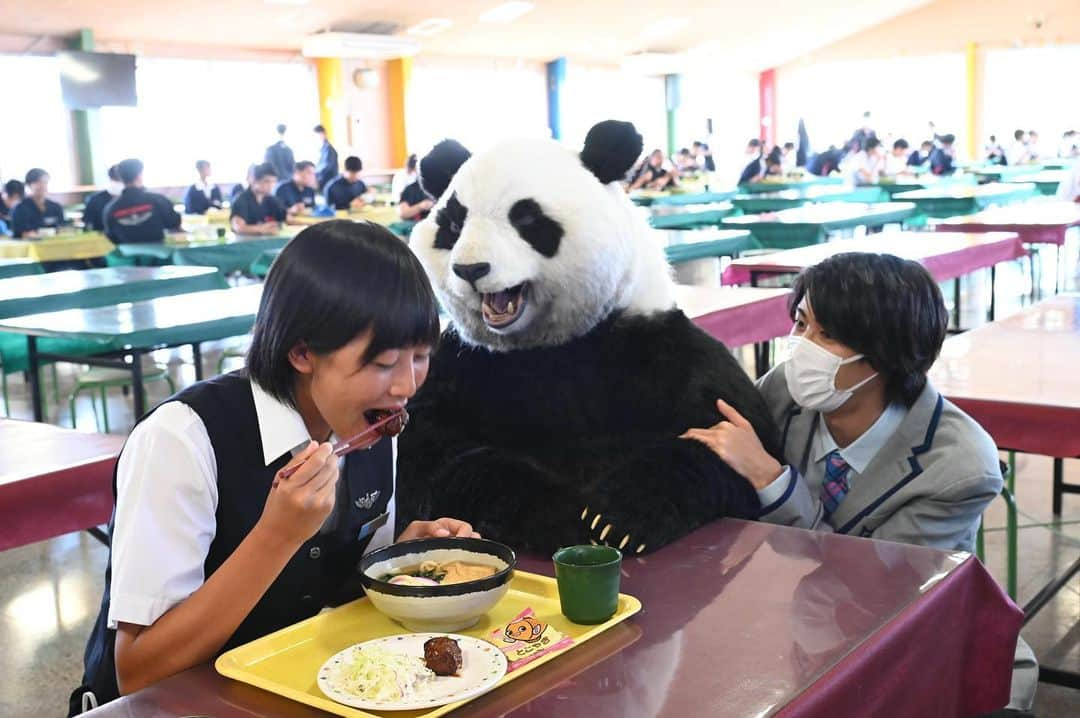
column 368, row 500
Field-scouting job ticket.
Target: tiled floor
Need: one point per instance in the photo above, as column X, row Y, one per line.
column 49, row 592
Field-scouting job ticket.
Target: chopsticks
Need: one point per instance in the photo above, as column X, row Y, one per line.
column 347, row 446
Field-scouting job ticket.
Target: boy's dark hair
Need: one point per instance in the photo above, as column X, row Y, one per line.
column 320, row 129
column 129, row 170
column 927, row 142
column 264, row 170
column 14, row 187
column 333, row 282
column 353, row 164
column 199, row 164
column 789, row 145
column 887, row 308
column 948, row 139
column 1018, row 135
column 900, row 144
column 281, row 129
column 872, row 144
column 303, row 165
column 114, row 173
column 35, row 175
column 411, row 162
column 755, row 142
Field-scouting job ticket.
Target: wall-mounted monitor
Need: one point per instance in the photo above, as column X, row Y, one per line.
column 96, row 79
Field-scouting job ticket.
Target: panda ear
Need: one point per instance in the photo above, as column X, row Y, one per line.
column 611, row 149
column 440, row 165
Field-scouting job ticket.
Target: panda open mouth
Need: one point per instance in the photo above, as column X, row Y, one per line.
column 501, row 309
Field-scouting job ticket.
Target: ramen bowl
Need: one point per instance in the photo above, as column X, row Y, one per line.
column 439, row 608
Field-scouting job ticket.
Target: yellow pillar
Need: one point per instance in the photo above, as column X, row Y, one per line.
column 398, row 73
column 973, row 96
column 331, row 97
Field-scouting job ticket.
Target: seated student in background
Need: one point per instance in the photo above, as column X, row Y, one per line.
column 994, row 152
column 1070, row 145
column 239, row 187
column 1069, row 189
column 256, row 210
column 12, row 193
column 873, row 449
column 347, row 190
column 1033, row 150
column 704, row 156
column 138, row 216
column 754, row 170
column 654, row 173
column 685, row 161
column 824, row 163
column 414, row 204
column 866, row 164
column 94, row 212
column 896, row 162
column 921, row 157
column 212, row 547
column 297, row 194
column 1017, row 152
column 405, row 177
column 774, row 163
column 788, row 158
column 36, row 213
column 327, row 169
column 202, row 195
column 941, row 159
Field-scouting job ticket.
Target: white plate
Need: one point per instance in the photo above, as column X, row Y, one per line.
column 483, row 666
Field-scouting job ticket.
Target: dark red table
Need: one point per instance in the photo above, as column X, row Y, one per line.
column 739, row 315
column 53, row 481
column 741, row 619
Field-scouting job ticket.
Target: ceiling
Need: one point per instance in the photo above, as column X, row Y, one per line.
column 738, row 34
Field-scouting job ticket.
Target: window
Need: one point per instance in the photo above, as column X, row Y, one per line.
column 221, row 111
column 1020, row 94
column 593, row 94
column 474, row 102
column 35, row 127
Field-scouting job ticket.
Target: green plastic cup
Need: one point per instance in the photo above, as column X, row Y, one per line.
column 588, row 578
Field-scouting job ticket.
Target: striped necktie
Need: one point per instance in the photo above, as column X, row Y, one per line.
column 835, row 486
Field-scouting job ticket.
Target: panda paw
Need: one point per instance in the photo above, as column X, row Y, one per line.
column 609, row 530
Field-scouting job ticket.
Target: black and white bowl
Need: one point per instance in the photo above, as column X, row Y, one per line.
column 437, row 609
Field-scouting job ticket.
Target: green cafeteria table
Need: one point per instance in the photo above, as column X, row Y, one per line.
column 808, row 180
column 689, row 216
column 228, row 255
column 1046, row 181
column 19, row 268
column 775, row 201
column 694, row 244
column 950, row 201
column 811, row 224
column 124, row 332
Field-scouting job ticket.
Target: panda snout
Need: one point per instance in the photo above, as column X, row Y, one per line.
column 472, row 273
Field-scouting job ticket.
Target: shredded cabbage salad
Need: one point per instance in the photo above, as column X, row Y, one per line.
column 379, row 675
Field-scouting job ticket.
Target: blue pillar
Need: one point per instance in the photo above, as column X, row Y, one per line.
column 556, row 78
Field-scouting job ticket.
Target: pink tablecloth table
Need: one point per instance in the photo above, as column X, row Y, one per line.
column 737, row 315
column 740, row 619
column 53, row 481
column 1035, row 222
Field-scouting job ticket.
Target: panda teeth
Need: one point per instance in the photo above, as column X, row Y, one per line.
column 510, row 307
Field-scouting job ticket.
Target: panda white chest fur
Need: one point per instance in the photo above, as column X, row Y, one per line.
column 526, row 248
column 554, row 404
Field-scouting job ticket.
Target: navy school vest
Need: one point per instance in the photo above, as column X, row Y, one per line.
column 323, row 572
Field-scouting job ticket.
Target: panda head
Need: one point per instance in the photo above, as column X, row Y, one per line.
column 531, row 244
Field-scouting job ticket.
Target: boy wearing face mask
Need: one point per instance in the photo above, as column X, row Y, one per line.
column 874, row 449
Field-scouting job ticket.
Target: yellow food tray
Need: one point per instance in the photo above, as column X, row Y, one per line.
column 287, row 662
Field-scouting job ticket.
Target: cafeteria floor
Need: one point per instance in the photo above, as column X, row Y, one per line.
column 50, row 591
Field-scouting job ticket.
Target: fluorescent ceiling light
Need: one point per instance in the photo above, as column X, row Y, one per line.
column 431, row 26
column 665, row 27
column 507, row 12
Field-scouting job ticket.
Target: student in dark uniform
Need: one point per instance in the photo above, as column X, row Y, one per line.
column 211, row 546
column 327, row 169
column 280, row 155
column 202, row 195
column 297, row 194
column 13, row 193
column 138, row 216
column 94, row 212
column 414, row 203
column 37, row 212
column 347, row 190
column 941, row 159
column 239, row 187
column 256, row 210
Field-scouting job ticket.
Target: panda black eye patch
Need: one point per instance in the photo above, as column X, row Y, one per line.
column 450, row 219
column 541, row 232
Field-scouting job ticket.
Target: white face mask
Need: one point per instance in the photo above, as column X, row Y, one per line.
column 811, row 376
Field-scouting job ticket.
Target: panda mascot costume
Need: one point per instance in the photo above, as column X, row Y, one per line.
column 553, row 407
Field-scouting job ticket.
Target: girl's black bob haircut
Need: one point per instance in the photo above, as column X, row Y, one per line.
column 333, row 282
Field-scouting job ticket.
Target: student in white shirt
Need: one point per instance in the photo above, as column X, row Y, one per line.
column 1069, row 189
column 866, row 165
column 1017, row 152
column 404, row 178
column 896, row 162
column 211, row 545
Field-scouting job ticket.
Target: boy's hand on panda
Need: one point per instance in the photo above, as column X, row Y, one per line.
column 297, row 506
column 737, row 444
